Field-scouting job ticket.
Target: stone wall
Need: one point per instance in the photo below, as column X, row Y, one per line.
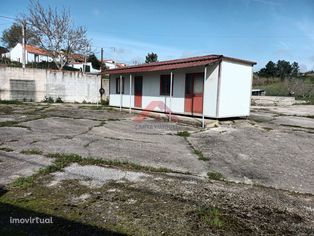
column 34, row 84
column 272, row 101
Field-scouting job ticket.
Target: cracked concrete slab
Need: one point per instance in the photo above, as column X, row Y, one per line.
column 95, row 176
column 14, row 165
column 264, row 149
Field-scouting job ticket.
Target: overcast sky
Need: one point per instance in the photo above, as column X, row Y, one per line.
column 259, row 30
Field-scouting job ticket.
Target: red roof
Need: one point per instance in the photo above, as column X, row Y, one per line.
column 176, row 64
column 36, row 50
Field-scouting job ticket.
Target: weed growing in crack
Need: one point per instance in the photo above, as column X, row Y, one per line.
column 63, row 160
column 32, row 152
column 200, row 155
column 183, row 133
column 6, row 149
column 215, row 176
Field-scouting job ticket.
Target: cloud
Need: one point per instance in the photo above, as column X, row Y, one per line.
column 306, row 26
column 128, row 50
column 268, row 2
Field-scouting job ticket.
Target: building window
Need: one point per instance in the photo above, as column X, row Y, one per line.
column 118, row 85
column 165, row 85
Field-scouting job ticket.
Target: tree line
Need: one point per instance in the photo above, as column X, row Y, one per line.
column 282, row 69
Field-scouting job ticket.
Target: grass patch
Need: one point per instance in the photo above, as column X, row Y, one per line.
column 112, row 119
column 6, row 149
column 197, row 152
column 210, row 216
column 32, row 152
column 11, row 102
column 63, row 160
column 24, row 182
column 8, row 123
column 183, row 133
column 215, row 176
column 13, row 124
column 200, row 155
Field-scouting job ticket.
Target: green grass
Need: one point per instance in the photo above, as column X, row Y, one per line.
column 215, row 176
column 24, row 182
column 8, row 123
column 211, row 216
column 200, row 155
column 63, row 160
column 183, row 133
column 12, row 124
column 10, row 102
column 32, row 152
column 6, row 149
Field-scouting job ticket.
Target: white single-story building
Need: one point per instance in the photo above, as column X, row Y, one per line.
column 212, row 86
column 32, row 54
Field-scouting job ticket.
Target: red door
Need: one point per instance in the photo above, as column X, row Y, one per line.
column 194, row 87
column 138, row 87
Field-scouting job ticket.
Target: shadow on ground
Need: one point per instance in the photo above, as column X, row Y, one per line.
column 60, row 226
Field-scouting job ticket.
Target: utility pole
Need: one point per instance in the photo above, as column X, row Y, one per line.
column 23, row 44
column 101, row 70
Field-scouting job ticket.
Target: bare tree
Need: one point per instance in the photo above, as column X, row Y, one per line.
column 56, row 32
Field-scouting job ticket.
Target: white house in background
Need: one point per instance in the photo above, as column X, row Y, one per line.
column 212, row 86
column 84, row 67
column 87, row 67
column 111, row 64
column 32, row 54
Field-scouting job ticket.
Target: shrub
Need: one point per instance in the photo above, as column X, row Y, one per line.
column 104, row 102
column 48, row 100
column 59, row 100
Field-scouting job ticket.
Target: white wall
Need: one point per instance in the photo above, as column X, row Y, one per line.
column 70, row 86
column 210, row 91
column 235, row 90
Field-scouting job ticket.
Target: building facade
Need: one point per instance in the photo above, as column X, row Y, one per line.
column 212, row 86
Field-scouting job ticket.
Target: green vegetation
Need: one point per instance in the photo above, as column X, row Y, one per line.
column 210, row 216
column 183, row 133
column 11, row 102
column 151, row 57
column 285, row 79
column 105, row 102
column 59, row 100
column 6, row 149
column 215, row 176
column 200, row 155
column 63, row 160
column 32, row 152
column 24, row 182
column 48, row 100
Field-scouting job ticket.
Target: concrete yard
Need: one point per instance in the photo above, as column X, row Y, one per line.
column 266, row 163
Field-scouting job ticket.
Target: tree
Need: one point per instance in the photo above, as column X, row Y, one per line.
column 271, row 69
column 295, row 69
column 95, row 62
column 56, row 33
column 151, row 57
column 13, row 35
column 284, row 69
